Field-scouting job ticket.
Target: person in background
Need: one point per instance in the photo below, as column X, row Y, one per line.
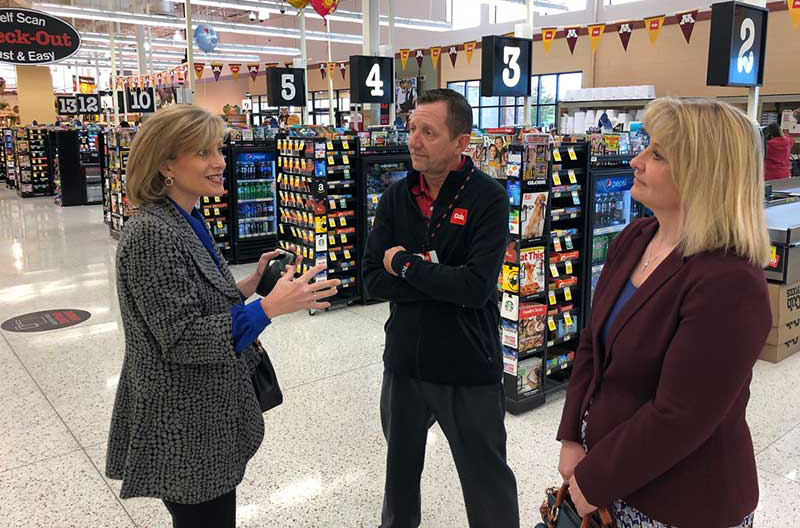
column 186, row 418
column 779, row 149
column 654, row 420
column 435, row 252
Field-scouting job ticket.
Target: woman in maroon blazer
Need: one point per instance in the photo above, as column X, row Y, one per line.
column 654, row 420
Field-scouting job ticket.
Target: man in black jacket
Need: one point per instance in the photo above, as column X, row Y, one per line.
column 435, row 252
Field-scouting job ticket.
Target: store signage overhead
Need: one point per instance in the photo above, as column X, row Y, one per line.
column 137, row 101
column 505, row 66
column 371, row 79
column 737, row 46
column 34, row 37
column 78, row 104
column 286, row 87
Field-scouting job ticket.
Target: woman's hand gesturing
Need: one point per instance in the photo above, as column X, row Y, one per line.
column 290, row 294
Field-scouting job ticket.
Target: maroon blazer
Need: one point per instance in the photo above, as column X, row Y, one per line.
column 667, row 430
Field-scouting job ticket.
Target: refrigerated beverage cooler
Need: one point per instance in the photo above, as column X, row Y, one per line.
column 252, row 188
column 612, row 210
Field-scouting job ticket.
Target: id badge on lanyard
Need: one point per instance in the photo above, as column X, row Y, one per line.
column 428, row 253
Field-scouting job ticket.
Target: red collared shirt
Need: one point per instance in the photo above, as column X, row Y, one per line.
column 422, row 192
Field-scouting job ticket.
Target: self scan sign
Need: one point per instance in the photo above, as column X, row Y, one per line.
column 505, row 67
column 33, row 37
column 737, row 46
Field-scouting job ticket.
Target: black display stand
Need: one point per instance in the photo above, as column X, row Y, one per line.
column 9, row 158
column 34, row 162
column 120, row 140
column 77, row 166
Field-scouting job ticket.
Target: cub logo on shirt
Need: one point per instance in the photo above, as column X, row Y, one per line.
column 459, row 217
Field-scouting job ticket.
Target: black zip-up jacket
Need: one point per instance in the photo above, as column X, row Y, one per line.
column 443, row 326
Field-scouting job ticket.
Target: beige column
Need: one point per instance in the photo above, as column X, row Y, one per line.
column 35, row 94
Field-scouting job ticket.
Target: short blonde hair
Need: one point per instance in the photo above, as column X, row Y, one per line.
column 716, row 156
column 165, row 135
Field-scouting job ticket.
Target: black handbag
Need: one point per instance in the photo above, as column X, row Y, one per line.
column 265, row 383
column 558, row 511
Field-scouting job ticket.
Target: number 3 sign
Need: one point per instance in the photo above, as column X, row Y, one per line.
column 737, row 46
column 286, row 87
column 371, row 79
column 505, row 66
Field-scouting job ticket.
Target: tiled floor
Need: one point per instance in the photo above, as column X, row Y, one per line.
column 322, row 461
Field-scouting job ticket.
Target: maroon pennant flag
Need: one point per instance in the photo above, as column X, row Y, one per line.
column 323, row 70
column 420, row 56
column 343, row 69
column 572, row 38
column 253, row 69
column 216, row 69
column 624, row 31
column 453, row 55
column 687, row 21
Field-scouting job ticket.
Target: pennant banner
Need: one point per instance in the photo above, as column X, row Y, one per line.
column 323, row 70
column 469, row 47
column 253, row 70
column 653, row 25
column 436, row 51
column 235, row 68
column 181, row 74
column 331, row 68
column 453, row 55
column 343, row 70
column 199, row 68
column 686, row 21
column 404, row 53
column 595, row 34
column 216, row 69
column 794, row 11
column 548, row 36
column 420, row 56
column 625, row 33
column 572, row 38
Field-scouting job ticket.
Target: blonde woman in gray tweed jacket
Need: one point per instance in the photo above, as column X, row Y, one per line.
column 186, row 419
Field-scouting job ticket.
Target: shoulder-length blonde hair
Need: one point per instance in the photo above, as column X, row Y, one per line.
column 165, row 135
column 716, row 156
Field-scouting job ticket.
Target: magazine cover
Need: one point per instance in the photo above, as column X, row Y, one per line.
column 496, row 155
column 532, row 318
column 514, row 165
column 533, row 213
column 531, row 273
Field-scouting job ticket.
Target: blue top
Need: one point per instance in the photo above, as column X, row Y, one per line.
column 622, row 300
column 248, row 321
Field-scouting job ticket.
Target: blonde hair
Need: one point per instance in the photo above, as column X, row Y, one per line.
column 165, row 135
column 716, row 156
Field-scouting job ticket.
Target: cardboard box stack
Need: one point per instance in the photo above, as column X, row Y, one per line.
column 784, row 338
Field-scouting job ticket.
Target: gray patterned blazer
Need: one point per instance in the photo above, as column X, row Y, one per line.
column 186, row 419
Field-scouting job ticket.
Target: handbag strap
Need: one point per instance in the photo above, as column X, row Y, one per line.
column 563, row 493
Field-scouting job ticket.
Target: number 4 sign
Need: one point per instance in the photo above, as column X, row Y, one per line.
column 505, row 66
column 371, row 79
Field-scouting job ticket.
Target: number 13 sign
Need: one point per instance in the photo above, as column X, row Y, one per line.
column 371, row 79
column 505, row 66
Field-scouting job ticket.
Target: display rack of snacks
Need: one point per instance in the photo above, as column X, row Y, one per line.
column 319, row 209
column 9, row 158
column 119, row 147
column 217, row 213
column 105, row 174
column 34, row 163
column 542, row 268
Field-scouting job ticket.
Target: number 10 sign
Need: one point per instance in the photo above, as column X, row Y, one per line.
column 505, row 66
column 371, row 79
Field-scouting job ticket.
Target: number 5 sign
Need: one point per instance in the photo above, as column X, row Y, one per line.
column 286, row 87
column 737, row 46
column 371, row 79
column 505, row 66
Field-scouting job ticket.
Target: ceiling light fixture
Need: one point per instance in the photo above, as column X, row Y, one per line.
column 167, row 43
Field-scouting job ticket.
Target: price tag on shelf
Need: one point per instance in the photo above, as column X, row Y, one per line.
column 551, row 324
column 568, row 240
column 552, row 297
column 333, row 255
column 342, row 221
column 216, row 199
column 303, row 164
column 553, row 270
column 343, row 203
column 345, row 145
column 576, row 199
column 568, row 318
column 344, row 238
column 305, row 252
column 556, row 155
column 205, row 199
column 206, row 212
column 332, row 204
column 219, row 225
column 556, row 178
column 331, row 161
column 375, row 200
column 294, row 232
column 331, row 240
column 346, row 159
column 572, row 179
column 301, row 145
column 281, row 229
column 330, row 145
column 567, row 293
column 557, row 245
column 216, row 211
column 347, row 254
column 568, row 265
column 572, row 154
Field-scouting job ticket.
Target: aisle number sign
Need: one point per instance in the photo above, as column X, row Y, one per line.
column 505, row 66
column 371, row 79
column 286, row 87
column 737, row 45
column 78, row 104
column 137, row 101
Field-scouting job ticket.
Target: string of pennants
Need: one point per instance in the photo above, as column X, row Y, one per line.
column 329, row 68
column 178, row 74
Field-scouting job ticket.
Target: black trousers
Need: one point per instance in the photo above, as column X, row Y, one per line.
column 472, row 420
column 216, row 513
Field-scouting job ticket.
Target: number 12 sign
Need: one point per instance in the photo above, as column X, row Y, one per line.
column 505, row 66
column 737, row 46
column 371, row 79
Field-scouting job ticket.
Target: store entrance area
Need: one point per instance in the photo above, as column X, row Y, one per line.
column 323, row 457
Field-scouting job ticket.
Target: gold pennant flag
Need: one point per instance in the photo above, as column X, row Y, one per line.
column 794, row 11
column 469, row 47
column 404, row 54
column 235, row 68
column 435, row 52
column 595, row 34
column 548, row 36
column 653, row 25
column 199, row 68
column 331, row 68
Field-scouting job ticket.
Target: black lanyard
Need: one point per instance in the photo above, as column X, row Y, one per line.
column 430, row 235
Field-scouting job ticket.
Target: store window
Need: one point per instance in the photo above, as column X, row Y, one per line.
column 546, row 92
column 320, row 104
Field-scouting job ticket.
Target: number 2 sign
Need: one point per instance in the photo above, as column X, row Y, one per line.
column 505, row 66
column 371, row 79
column 737, row 45
column 286, row 87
